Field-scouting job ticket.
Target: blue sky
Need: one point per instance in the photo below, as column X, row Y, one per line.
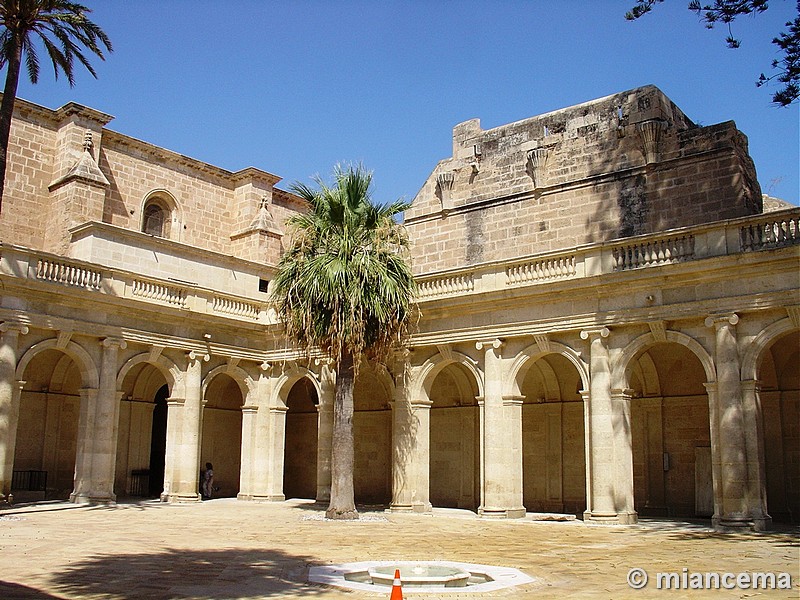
column 295, row 87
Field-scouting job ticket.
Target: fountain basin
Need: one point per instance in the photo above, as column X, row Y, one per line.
column 442, row 577
column 414, row 575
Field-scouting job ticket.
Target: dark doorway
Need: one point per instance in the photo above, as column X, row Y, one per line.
column 158, row 442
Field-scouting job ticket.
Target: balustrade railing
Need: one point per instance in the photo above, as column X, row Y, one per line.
column 770, row 233
column 238, row 308
column 446, row 286
column 652, row 252
column 746, row 234
column 545, row 269
column 67, row 273
column 159, row 292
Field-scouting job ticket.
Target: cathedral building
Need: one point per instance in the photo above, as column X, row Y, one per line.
column 610, row 326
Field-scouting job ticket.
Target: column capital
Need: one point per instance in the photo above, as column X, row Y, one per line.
column 794, row 315
column 15, row 326
column 249, row 408
column 420, row 403
column 278, row 409
column 494, row 343
column 513, row 400
column 595, row 332
column 721, row 319
column 198, row 355
column 112, row 342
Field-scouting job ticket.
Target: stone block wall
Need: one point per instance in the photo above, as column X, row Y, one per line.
column 619, row 166
column 66, row 169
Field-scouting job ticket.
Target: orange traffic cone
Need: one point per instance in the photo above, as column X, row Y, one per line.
column 397, row 587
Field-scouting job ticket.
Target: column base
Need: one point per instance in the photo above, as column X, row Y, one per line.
column 611, row 518
column 738, row 524
column 419, row 508
column 502, row 513
column 93, row 498
column 261, row 497
column 175, row 498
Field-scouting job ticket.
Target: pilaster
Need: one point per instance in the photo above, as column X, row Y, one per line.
column 10, row 391
column 732, row 487
column 501, row 441
column 325, row 432
column 609, row 459
column 185, row 454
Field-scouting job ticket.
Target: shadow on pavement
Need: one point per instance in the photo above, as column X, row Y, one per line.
column 172, row 573
column 17, row 591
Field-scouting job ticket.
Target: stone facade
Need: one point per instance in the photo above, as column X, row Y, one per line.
column 610, row 326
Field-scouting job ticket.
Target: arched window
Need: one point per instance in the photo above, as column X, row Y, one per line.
column 159, row 214
column 154, row 221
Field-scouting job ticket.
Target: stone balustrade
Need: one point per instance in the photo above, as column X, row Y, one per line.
column 26, row 264
column 735, row 236
column 748, row 234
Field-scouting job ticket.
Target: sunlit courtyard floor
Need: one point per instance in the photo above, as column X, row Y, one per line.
column 228, row 549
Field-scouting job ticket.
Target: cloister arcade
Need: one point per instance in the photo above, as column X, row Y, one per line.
column 661, row 383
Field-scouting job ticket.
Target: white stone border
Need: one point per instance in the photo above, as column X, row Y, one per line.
column 502, row 577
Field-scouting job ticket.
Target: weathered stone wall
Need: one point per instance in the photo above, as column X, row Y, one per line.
column 623, row 165
column 55, row 182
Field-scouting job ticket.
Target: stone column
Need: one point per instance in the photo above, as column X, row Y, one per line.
column 734, row 506
column 106, row 425
column 82, row 490
column 411, row 422
column 185, row 452
column 502, row 462
column 276, row 440
column 609, row 457
column 248, row 457
column 325, row 432
column 756, row 465
column 10, row 390
column 257, row 427
column 623, row 455
column 174, row 419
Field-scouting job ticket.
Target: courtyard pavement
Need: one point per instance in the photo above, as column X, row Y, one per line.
column 238, row 550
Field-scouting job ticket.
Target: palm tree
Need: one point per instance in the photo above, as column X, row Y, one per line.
column 344, row 287
column 63, row 29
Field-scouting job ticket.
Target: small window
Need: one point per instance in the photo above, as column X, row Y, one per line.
column 263, row 285
column 155, row 218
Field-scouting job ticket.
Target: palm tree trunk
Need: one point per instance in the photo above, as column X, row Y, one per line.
column 342, row 505
column 7, row 107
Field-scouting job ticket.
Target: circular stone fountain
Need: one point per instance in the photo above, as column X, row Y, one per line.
column 418, row 576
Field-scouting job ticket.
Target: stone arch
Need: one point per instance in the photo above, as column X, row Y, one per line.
column 165, row 366
column 164, row 200
column 420, row 388
column 372, row 430
column 224, row 392
column 59, row 380
column 84, row 361
column 670, row 423
column 527, row 357
column 142, row 424
column 300, row 430
column 755, row 349
column 240, row 376
column 452, row 383
column 549, row 382
column 621, row 364
column 286, row 381
column 771, row 380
